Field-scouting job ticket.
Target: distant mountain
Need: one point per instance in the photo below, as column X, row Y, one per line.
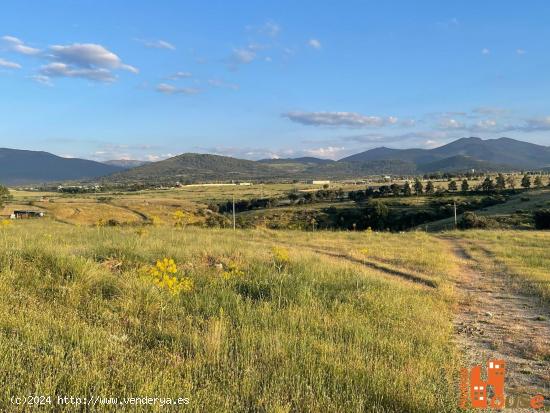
column 460, row 163
column 378, row 154
column 192, row 167
column 302, row 160
column 18, row 167
column 126, row 163
column 504, row 154
column 510, row 153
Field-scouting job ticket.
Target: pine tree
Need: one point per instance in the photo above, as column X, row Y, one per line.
column 465, row 186
column 538, row 181
column 453, row 186
column 501, row 182
column 407, row 189
column 430, row 189
column 4, row 195
column 526, row 181
column 418, row 187
column 487, row 185
column 511, row 181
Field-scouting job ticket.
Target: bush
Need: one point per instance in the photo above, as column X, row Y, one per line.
column 542, row 218
column 472, row 220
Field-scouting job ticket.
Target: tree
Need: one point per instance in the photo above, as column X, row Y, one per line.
column 430, row 189
column 511, row 181
column 453, row 186
column 377, row 214
column 407, row 189
column 465, row 186
column 487, row 185
column 538, row 181
column 501, row 182
column 4, row 194
column 418, row 187
column 526, row 182
column 394, row 189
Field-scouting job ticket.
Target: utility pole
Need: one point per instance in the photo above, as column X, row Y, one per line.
column 234, row 226
column 456, row 222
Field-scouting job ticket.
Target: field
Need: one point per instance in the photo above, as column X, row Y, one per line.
column 270, row 329
column 260, row 319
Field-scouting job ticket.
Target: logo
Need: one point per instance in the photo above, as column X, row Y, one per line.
column 476, row 393
column 481, row 394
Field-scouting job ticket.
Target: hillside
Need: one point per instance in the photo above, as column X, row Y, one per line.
column 461, row 163
column 192, row 166
column 24, row 167
column 505, row 152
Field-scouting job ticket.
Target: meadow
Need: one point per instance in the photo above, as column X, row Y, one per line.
column 251, row 320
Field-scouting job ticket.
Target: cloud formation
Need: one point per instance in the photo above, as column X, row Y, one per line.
column 18, row 46
column 346, row 119
column 315, row 44
column 222, row 84
column 181, row 75
column 173, row 90
column 64, row 70
column 83, row 60
column 88, row 55
column 7, row 64
column 158, row 44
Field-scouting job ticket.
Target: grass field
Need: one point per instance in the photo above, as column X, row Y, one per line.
column 523, row 253
column 273, row 321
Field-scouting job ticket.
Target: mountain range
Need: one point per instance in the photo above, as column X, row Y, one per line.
column 465, row 154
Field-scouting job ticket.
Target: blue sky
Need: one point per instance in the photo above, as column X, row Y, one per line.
column 148, row 80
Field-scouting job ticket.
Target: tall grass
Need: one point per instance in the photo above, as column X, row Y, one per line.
column 523, row 253
column 259, row 332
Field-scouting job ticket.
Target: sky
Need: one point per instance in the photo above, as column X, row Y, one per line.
column 149, row 80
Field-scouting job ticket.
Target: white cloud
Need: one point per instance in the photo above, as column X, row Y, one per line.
column 222, row 84
column 43, row 80
column 63, row 70
column 536, row 124
column 450, row 123
column 6, row 64
column 331, row 152
column 430, row 143
column 181, row 75
column 314, row 43
column 521, row 51
column 16, row 45
column 489, row 110
column 158, row 44
column 269, row 28
column 485, row 51
column 243, row 56
column 159, row 157
column 88, row 55
column 88, row 61
column 172, row 90
column 346, row 119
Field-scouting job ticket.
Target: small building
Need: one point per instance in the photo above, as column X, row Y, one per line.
column 245, row 183
column 319, row 182
column 26, row 214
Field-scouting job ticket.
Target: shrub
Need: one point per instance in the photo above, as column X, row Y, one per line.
column 472, row 220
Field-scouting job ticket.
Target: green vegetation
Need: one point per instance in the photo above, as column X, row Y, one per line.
column 245, row 321
column 524, row 254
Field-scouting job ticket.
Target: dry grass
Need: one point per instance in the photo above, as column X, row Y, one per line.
column 296, row 331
